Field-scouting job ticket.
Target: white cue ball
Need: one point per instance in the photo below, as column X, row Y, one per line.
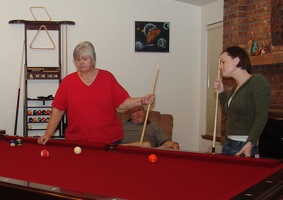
column 77, row 150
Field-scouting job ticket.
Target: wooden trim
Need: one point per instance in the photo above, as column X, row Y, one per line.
column 210, row 137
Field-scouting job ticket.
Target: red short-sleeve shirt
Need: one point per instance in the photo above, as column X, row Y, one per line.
column 91, row 110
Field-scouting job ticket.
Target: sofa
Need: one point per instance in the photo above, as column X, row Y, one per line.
column 165, row 121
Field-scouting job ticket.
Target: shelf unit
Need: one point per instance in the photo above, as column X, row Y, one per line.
column 36, row 111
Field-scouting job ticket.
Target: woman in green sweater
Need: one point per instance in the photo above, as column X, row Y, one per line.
column 246, row 105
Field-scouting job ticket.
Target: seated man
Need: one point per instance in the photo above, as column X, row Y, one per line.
column 154, row 136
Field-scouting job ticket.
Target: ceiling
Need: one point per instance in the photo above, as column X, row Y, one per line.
column 197, row 2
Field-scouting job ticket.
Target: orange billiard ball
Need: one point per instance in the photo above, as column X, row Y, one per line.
column 152, row 158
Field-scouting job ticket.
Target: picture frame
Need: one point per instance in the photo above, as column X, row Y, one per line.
column 152, row 36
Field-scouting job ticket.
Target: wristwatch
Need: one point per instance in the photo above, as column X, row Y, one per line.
column 251, row 144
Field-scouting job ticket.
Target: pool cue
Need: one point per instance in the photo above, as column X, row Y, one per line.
column 148, row 107
column 66, row 53
column 19, row 92
column 62, row 52
column 215, row 117
column 66, row 73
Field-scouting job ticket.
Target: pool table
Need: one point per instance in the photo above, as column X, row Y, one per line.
column 122, row 172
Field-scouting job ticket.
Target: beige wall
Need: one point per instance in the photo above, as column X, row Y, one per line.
column 211, row 14
column 109, row 24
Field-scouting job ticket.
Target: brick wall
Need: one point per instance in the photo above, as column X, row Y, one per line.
column 248, row 21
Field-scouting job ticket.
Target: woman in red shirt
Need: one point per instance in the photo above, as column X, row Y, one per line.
column 89, row 97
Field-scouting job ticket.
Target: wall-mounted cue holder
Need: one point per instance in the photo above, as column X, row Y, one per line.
column 40, row 76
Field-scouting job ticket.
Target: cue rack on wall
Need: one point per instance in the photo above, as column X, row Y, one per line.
column 41, row 79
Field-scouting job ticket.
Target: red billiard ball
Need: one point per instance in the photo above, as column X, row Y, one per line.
column 44, row 153
column 152, row 158
column 39, row 112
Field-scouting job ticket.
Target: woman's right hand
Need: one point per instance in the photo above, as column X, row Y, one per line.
column 218, row 86
column 43, row 139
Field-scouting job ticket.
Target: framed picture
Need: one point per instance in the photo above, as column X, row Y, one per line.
column 152, row 36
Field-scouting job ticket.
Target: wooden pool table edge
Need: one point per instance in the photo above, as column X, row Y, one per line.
column 271, row 188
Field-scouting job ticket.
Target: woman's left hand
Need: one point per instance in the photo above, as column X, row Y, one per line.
column 149, row 99
column 246, row 150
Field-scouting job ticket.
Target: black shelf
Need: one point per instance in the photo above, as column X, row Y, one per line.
column 43, row 73
column 35, row 25
column 42, row 100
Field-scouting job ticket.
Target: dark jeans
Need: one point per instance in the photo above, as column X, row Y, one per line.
column 231, row 147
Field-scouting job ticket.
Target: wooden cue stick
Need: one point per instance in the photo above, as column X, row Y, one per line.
column 19, row 91
column 65, row 57
column 62, row 59
column 215, row 117
column 66, row 53
column 148, row 107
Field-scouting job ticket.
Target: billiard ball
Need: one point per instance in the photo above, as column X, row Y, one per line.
column 43, row 112
column 152, row 158
column 12, row 143
column 35, row 112
column 34, row 119
column 77, row 150
column 19, row 142
column 29, row 127
column 44, row 153
column 30, row 119
column 39, row 112
column 48, row 112
column 29, row 112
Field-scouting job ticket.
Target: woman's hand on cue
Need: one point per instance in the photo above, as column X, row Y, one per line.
column 148, row 99
column 218, row 86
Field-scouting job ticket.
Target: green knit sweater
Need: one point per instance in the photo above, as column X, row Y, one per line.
column 248, row 109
